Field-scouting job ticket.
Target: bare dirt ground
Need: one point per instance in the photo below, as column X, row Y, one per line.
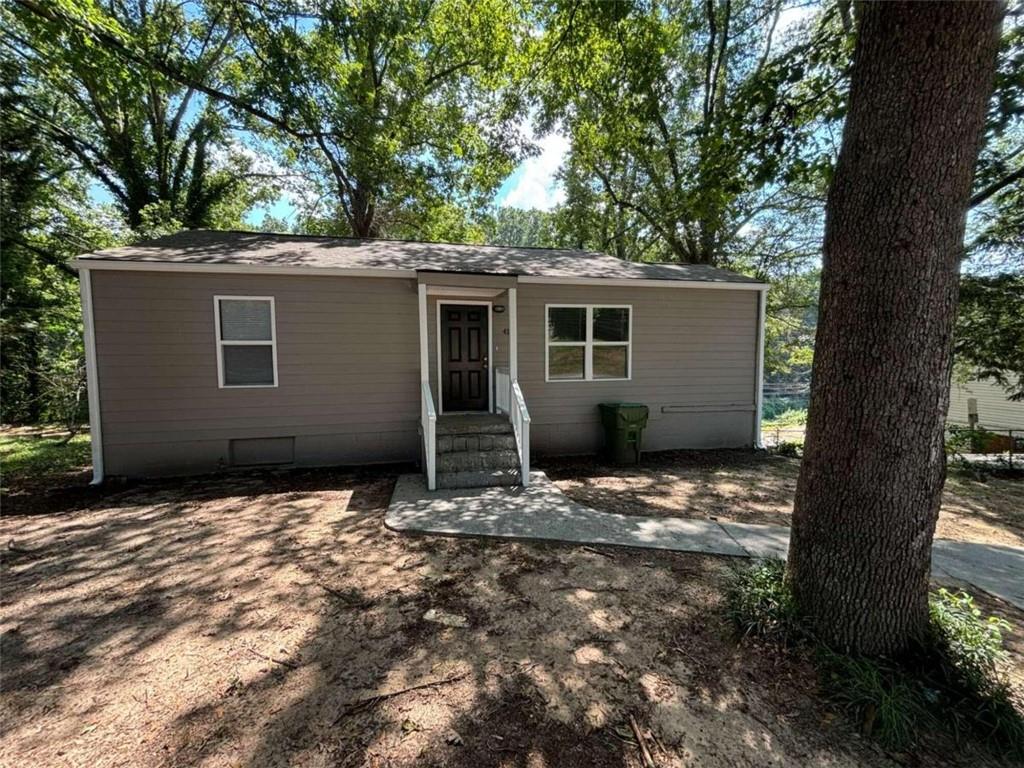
column 272, row 620
column 751, row 487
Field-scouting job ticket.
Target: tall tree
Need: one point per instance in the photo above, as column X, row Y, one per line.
column 161, row 150
column 684, row 116
column 871, row 479
column 406, row 108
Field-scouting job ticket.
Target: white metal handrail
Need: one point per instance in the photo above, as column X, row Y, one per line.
column 428, row 420
column 502, row 389
column 520, row 418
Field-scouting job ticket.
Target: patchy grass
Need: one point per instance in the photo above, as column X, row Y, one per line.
column 44, row 474
column 25, row 457
column 749, row 487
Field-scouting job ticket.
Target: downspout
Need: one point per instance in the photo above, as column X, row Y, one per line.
column 91, row 374
column 762, row 300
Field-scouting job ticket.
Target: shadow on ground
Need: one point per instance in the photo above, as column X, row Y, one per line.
column 271, row 620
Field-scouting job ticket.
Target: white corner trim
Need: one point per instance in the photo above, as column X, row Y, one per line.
column 643, row 283
column 588, row 343
column 92, row 377
column 490, row 350
column 424, row 353
column 261, row 343
column 513, row 334
column 762, row 300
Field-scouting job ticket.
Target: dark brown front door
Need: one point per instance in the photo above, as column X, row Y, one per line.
column 464, row 358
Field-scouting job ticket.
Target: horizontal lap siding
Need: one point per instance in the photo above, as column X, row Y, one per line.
column 995, row 409
column 348, row 371
column 693, row 350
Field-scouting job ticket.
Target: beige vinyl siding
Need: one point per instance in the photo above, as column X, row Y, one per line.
column 995, row 411
column 694, row 356
column 348, row 371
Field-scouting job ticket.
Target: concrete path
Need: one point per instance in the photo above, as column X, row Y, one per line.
column 542, row 512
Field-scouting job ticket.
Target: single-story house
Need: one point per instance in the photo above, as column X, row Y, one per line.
column 210, row 350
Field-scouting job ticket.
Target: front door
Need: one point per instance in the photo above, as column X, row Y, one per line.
column 464, row 348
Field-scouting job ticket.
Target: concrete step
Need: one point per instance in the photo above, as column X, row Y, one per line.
column 487, row 442
column 474, row 425
column 475, row 461
column 478, row 479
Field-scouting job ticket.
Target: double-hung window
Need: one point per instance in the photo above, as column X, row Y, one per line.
column 587, row 342
column 246, row 341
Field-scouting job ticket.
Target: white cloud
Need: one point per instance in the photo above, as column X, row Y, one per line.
column 533, row 185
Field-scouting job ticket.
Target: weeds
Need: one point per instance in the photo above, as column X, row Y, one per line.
column 760, row 603
column 952, row 683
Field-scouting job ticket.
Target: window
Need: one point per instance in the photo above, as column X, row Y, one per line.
column 588, row 343
column 246, row 341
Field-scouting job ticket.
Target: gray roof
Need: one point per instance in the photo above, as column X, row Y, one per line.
column 268, row 250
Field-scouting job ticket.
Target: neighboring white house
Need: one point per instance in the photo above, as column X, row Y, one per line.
column 994, row 410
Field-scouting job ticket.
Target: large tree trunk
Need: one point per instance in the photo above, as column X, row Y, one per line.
column 869, row 488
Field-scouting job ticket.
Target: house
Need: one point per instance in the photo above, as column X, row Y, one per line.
column 209, row 350
column 984, row 404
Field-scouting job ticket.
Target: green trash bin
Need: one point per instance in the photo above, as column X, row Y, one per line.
column 624, row 425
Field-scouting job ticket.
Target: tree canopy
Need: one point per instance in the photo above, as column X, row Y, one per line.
column 697, row 130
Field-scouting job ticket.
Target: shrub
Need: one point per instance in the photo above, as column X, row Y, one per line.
column 760, row 602
column 876, row 694
column 788, row 448
column 794, row 417
column 951, row 683
column 971, row 644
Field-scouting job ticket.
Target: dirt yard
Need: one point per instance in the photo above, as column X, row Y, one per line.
column 759, row 488
column 273, row 620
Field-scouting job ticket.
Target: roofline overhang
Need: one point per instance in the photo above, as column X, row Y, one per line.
column 122, row 265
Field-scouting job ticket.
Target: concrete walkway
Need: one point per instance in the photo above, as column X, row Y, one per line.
column 542, row 512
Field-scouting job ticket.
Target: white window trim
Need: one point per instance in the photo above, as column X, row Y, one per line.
column 253, row 343
column 588, row 344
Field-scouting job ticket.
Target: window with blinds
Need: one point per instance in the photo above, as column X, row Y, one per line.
column 246, row 341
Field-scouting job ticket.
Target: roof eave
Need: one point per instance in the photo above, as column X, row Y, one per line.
column 388, row 272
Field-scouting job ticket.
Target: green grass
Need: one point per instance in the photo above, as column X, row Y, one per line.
column 794, row 417
column 24, row 457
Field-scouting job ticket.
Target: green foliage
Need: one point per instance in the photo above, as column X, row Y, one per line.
column 952, row 683
column 793, row 417
column 760, row 603
column 971, row 643
column 156, row 145
column 683, row 116
column 528, row 229
column 996, row 225
column 886, row 703
column 989, row 337
column 400, row 110
column 23, row 457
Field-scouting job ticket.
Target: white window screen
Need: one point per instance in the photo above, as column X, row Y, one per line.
column 246, row 342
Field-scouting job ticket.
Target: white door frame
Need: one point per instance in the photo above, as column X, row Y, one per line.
column 490, row 352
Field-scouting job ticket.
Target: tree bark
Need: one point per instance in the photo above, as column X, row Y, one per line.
column 870, row 483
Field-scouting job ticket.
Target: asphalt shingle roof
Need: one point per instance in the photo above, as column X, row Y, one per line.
column 269, row 250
